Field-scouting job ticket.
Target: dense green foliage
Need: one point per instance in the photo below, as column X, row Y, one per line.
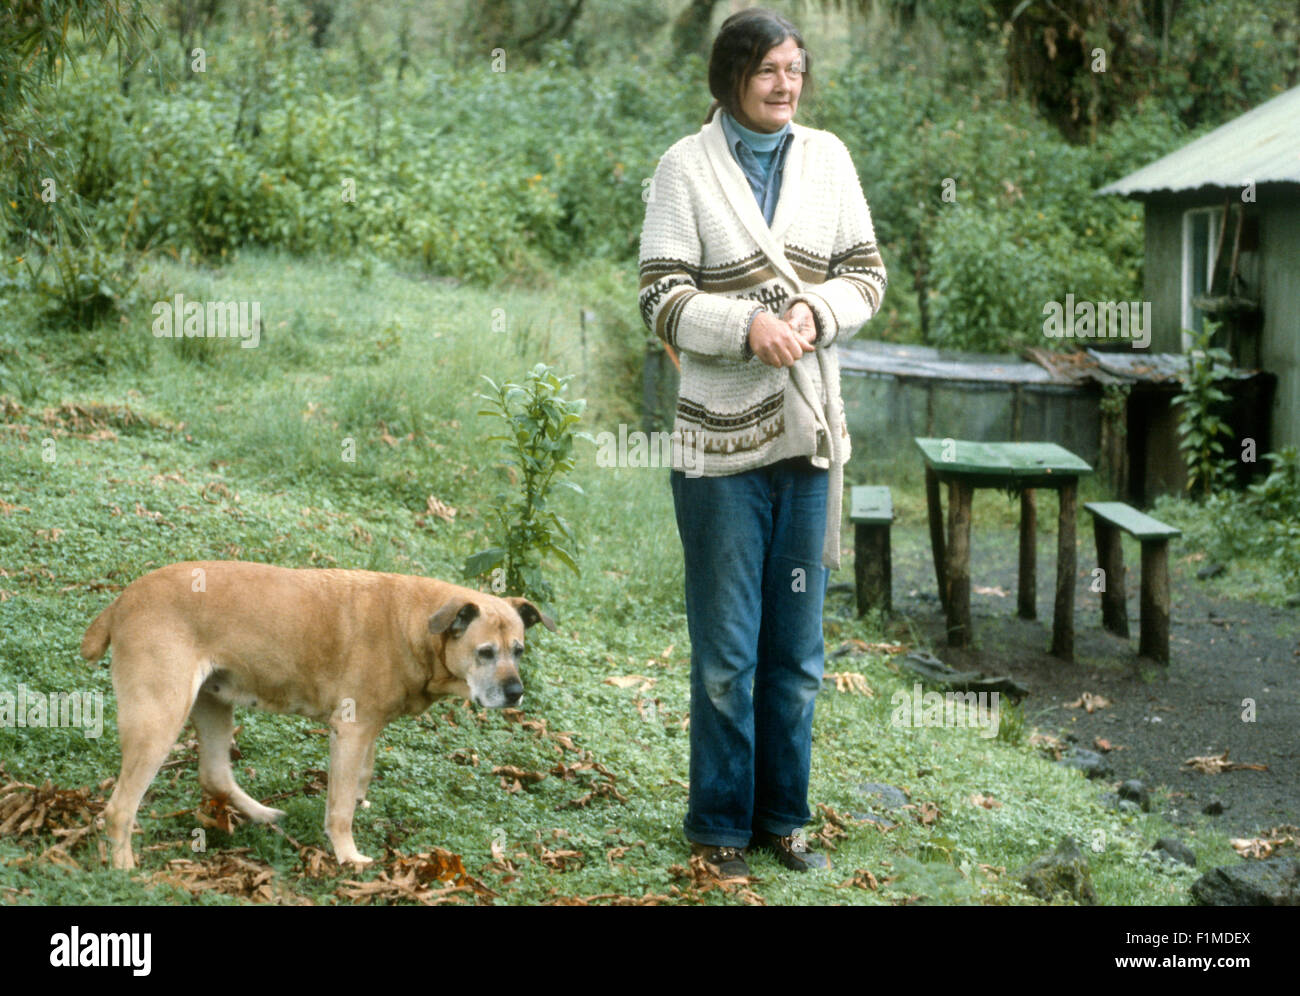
column 1256, row 530
column 1201, row 425
column 331, row 135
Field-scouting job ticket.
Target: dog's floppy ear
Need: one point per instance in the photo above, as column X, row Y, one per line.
column 531, row 614
column 454, row 617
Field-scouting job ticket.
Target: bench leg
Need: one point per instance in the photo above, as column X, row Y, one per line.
column 1066, row 563
column 1027, row 595
column 1153, row 628
column 957, row 567
column 872, row 569
column 935, row 508
column 1110, row 558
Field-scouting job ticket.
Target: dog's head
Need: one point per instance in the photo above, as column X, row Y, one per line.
column 484, row 641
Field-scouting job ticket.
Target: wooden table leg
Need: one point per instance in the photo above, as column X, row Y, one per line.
column 1027, row 595
column 935, row 508
column 1153, row 627
column 1110, row 558
column 957, row 567
column 1066, row 564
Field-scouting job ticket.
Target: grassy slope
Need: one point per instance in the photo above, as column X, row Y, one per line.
column 240, row 455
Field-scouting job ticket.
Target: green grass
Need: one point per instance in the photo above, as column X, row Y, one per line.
column 239, row 453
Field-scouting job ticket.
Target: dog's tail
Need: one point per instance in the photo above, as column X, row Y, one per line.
column 97, row 638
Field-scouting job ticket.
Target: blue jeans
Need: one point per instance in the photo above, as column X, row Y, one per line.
column 754, row 591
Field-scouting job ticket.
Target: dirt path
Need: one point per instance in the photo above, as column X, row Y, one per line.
column 1222, row 652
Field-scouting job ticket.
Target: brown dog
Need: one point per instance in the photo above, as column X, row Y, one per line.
column 356, row 648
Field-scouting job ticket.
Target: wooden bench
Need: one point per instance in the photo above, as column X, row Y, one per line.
column 1108, row 518
column 871, row 510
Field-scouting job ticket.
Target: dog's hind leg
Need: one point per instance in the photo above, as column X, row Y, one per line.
column 214, row 722
column 150, row 716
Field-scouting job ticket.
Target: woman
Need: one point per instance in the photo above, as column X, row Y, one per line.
column 757, row 256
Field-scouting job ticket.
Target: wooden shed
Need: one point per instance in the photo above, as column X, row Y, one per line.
column 1223, row 241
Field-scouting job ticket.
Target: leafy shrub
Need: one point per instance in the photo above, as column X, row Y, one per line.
column 1200, row 423
column 538, row 423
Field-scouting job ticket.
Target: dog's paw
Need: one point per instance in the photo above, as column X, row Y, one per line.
column 357, row 859
column 265, row 814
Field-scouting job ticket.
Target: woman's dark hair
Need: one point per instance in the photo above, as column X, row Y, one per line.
column 744, row 38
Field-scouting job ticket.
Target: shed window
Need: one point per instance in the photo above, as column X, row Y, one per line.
column 1200, row 239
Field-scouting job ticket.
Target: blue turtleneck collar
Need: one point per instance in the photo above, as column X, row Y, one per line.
column 758, row 141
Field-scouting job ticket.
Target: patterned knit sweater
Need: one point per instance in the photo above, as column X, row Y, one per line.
column 708, row 261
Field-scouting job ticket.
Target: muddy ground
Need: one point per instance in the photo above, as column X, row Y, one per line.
column 1223, row 651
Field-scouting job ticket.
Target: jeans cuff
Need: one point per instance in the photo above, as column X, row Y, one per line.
column 717, row 837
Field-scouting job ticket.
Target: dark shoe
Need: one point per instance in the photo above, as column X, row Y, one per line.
column 725, row 862
column 791, row 851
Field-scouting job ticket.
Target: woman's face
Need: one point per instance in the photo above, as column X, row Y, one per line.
column 771, row 95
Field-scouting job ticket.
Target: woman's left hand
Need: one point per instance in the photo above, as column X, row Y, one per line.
column 800, row 317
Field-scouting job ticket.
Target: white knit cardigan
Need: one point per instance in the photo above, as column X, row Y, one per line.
column 709, row 260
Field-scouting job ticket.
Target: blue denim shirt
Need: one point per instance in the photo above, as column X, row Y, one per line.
column 762, row 169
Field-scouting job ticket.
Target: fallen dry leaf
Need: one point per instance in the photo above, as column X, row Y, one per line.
column 987, row 801
column 1089, row 702
column 835, row 828
column 927, row 813
column 440, row 509
column 1213, row 764
column 513, row 779
column 1052, row 744
column 1263, row 847
column 628, row 680
column 853, row 683
column 862, row 879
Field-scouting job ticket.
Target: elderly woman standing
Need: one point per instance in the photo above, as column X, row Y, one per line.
column 757, row 256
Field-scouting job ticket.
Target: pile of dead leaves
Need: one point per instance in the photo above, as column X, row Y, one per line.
column 1213, row 764
column 611, row 899
column 229, row 874
column 68, row 814
column 700, row 879
column 414, row 879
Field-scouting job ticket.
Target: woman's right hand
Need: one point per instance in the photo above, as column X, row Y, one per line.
column 775, row 342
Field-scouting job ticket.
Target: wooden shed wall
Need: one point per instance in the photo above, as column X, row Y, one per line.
column 1280, row 336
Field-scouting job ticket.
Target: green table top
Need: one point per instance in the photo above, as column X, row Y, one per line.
column 1008, row 462
column 871, row 504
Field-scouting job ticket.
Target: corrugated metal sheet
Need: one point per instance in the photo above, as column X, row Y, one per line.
column 862, row 356
column 1039, row 366
column 1262, row 145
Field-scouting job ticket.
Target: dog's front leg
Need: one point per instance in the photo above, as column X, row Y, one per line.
column 350, row 740
column 367, row 772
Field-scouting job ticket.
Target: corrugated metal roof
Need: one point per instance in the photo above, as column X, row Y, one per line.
column 1262, row 145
